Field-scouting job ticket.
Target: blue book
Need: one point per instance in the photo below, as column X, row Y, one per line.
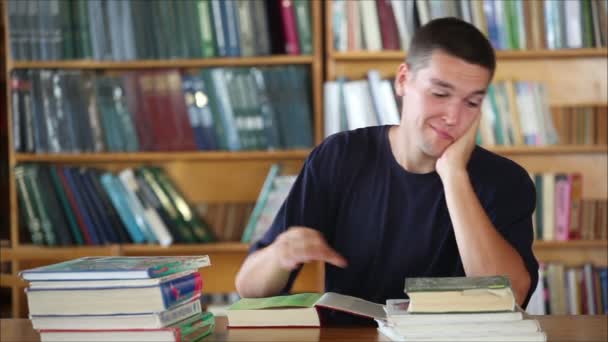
column 604, row 285
column 81, row 207
column 105, row 224
column 109, row 182
column 87, row 203
column 115, row 267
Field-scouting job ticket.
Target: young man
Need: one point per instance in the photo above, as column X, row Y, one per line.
column 380, row 204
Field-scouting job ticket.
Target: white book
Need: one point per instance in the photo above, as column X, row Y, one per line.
column 390, row 116
column 548, row 206
column 423, row 11
column 574, row 27
column 331, row 108
column 393, row 335
column 405, row 36
column 371, row 26
column 536, row 305
column 468, row 329
column 359, row 108
column 149, row 320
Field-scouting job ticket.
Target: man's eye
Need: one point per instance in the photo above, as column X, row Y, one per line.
column 472, row 104
column 440, row 95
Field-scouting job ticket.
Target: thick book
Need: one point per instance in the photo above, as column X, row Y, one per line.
column 146, row 320
column 110, row 300
column 397, row 314
column 459, row 294
column 526, row 330
column 190, row 329
column 298, row 310
column 116, row 268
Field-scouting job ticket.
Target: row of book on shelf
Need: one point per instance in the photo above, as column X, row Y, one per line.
column 565, row 290
column 562, row 213
column 513, row 113
column 240, row 108
column 119, row 299
column 162, row 29
column 63, row 205
column 509, row 24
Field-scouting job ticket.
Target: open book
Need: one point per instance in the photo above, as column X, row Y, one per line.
column 299, row 310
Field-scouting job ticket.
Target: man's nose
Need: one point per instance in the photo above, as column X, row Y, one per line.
column 452, row 113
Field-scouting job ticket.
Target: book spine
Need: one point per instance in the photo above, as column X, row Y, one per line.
column 181, row 290
column 170, row 317
column 292, row 45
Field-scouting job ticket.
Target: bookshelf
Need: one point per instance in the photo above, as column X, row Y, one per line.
column 204, row 177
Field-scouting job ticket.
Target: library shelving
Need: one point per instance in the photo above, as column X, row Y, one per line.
column 204, row 177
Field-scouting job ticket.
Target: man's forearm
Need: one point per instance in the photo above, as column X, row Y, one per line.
column 482, row 249
column 260, row 275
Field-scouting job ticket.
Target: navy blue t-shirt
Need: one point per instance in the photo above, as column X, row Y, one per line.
column 389, row 223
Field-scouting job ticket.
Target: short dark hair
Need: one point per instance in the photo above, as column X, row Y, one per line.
column 454, row 37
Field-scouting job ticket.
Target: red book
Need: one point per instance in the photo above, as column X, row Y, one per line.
column 138, row 110
column 184, row 133
column 148, row 110
column 388, row 25
column 292, row 44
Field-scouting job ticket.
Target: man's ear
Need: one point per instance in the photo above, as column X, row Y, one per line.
column 401, row 78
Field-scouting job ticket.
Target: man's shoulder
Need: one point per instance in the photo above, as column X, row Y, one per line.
column 356, row 141
column 489, row 165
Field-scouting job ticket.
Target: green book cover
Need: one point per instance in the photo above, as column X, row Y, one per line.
column 300, row 300
column 39, row 206
column 27, row 207
column 67, row 29
column 587, row 22
column 455, row 283
column 303, row 16
column 122, row 267
column 206, row 27
column 184, row 232
column 198, row 226
column 63, row 199
column 538, row 182
column 260, row 203
column 196, row 327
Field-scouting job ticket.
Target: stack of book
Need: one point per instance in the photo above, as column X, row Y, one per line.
column 119, row 299
column 458, row 309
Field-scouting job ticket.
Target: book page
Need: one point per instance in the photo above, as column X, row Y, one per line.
column 352, row 305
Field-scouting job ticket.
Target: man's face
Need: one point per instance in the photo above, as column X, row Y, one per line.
column 440, row 101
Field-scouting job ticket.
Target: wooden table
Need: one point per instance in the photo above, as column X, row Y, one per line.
column 557, row 328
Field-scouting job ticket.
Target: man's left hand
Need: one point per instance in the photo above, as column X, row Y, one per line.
column 456, row 156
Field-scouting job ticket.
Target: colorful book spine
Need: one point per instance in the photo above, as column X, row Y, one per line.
column 181, row 290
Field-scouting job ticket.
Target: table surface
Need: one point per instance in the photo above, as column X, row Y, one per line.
column 557, row 328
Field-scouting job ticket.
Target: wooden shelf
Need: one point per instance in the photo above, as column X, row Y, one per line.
column 558, row 149
column 162, row 156
column 539, row 244
column 164, row 63
column 9, row 280
column 187, row 249
column 572, row 253
column 400, row 55
column 259, row 155
column 32, row 252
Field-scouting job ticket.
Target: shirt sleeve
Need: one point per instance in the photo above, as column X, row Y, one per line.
column 307, row 205
column 511, row 213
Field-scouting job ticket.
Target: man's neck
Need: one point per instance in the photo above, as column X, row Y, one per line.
column 407, row 154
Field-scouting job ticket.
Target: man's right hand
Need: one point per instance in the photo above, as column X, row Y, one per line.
column 299, row 245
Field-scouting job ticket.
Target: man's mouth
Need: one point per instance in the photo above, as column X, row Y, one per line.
column 442, row 134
